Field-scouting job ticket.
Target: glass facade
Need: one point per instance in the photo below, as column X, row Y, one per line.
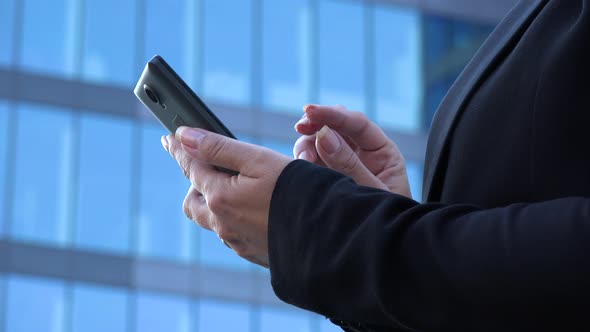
column 7, row 8
column 398, row 86
column 42, row 201
column 171, row 31
column 98, row 309
column 289, row 321
column 278, row 146
column 342, row 55
column 164, row 231
column 448, row 45
column 227, row 49
column 105, row 170
column 86, row 184
column 286, row 54
column 415, row 170
column 157, row 312
column 4, row 116
column 223, row 316
column 212, row 252
column 34, row 304
column 50, row 36
column 108, row 48
column 327, row 326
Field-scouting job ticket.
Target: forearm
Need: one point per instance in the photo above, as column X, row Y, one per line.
column 335, row 246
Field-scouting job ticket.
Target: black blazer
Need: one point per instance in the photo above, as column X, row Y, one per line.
column 502, row 242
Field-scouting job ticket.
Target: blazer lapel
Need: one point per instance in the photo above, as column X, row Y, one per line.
column 500, row 43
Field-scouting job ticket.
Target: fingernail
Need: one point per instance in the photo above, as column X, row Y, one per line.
column 308, row 107
column 189, row 137
column 164, row 141
column 304, row 121
column 328, row 140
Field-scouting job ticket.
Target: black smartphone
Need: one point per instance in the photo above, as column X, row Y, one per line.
column 173, row 103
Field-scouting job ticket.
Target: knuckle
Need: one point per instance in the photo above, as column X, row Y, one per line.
column 217, row 203
column 185, row 163
column 239, row 246
column 223, row 233
column 173, row 148
column 193, row 209
column 361, row 120
column 227, row 235
column 340, row 107
column 186, row 207
column 202, row 220
column 199, row 220
column 260, row 157
column 242, row 250
column 214, row 146
column 359, row 116
column 350, row 163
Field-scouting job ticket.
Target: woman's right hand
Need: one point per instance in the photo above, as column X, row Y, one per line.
column 350, row 143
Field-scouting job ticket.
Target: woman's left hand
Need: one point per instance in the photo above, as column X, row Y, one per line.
column 235, row 207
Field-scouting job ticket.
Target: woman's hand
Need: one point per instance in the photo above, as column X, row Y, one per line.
column 350, row 143
column 235, row 207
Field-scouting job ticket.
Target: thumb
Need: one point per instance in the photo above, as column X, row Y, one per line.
column 339, row 156
column 213, row 149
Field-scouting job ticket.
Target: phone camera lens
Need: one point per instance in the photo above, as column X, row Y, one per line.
column 151, row 94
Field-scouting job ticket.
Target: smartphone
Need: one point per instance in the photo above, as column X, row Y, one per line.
column 173, row 103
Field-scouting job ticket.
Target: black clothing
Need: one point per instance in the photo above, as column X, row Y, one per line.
column 502, row 242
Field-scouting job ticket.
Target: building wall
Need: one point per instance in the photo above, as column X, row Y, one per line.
column 92, row 233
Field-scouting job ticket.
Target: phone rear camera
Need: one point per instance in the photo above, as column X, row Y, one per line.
column 151, row 94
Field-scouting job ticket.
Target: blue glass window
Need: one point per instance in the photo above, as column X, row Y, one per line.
column 286, row 54
column 6, row 31
column 3, row 300
column 164, row 230
column 42, row 199
column 398, row 71
column 171, row 31
column 35, row 305
column 228, row 50
column 99, row 309
column 435, row 92
column 261, row 270
column 104, row 187
column 280, row 147
column 246, row 138
column 223, row 316
column 214, row 253
column 327, row 326
column 49, row 36
column 415, row 174
column 342, row 58
column 453, row 41
column 284, row 320
column 156, row 313
column 109, row 41
column 3, row 163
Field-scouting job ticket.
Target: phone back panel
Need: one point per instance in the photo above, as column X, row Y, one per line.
column 178, row 104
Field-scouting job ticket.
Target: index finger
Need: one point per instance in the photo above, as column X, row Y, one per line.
column 202, row 176
column 214, row 149
column 363, row 132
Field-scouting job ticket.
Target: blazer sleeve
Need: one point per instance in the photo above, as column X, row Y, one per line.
column 366, row 257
